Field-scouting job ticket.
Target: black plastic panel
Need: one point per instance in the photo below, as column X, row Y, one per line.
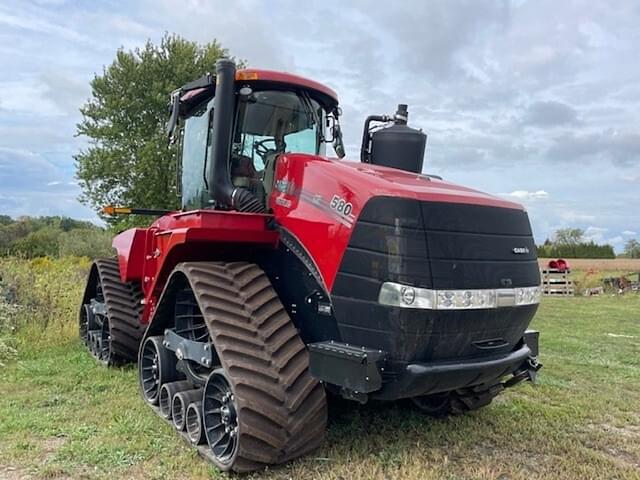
column 294, row 277
column 441, row 246
column 425, row 335
column 457, row 217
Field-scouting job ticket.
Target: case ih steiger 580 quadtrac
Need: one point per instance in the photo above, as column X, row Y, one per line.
column 288, row 275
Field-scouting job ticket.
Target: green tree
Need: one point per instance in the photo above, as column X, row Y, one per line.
column 568, row 236
column 40, row 243
column 632, row 248
column 128, row 162
column 91, row 243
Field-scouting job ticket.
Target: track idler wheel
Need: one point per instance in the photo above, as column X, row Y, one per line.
column 103, row 347
column 87, row 322
column 220, row 419
column 157, row 367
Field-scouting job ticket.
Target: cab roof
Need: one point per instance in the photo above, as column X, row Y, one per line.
column 251, row 74
column 193, row 93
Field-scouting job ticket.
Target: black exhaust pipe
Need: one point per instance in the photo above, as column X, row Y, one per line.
column 218, row 173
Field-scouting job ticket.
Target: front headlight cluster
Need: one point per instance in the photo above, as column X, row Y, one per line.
column 528, row 295
column 406, row 296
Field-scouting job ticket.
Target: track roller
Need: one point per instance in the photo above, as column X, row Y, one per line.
column 167, row 391
column 193, row 422
column 179, row 404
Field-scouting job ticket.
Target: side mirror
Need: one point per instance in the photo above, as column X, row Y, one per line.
column 333, row 126
column 338, row 144
column 174, row 108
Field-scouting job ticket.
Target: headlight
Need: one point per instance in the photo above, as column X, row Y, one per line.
column 406, row 296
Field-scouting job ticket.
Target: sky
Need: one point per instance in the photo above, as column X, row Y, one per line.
column 535, row 101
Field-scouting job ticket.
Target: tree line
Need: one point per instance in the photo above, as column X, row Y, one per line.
column 571, row 243
column 32, row 237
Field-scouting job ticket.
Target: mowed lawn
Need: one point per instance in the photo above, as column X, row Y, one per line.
column 64, row 416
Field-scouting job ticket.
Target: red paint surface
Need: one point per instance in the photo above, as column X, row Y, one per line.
column 287, row 78
column 324, row 237
column 147, row 256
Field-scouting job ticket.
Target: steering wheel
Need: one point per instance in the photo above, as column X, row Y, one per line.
column 261, row 149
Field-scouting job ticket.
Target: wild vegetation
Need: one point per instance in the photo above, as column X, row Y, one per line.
column 65, row 416
column 31, row 237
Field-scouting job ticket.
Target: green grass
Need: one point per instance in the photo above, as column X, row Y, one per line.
column 64, row 416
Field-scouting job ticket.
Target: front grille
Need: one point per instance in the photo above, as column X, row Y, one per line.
column 436, row 245
column 439, row 246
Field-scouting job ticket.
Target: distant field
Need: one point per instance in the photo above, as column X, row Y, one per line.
column 63, row 416
column 608, row 265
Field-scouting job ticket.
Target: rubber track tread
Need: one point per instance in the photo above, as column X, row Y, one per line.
column 282, row 408
column 124, row 309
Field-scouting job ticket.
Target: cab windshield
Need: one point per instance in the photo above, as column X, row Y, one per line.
column 272, row 122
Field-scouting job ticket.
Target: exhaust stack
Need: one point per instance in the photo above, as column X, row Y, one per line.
column 218, row 172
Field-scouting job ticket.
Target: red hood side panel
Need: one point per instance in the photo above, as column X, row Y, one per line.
column 319, row 199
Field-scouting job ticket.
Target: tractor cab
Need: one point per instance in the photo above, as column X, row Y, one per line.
column 231, row 128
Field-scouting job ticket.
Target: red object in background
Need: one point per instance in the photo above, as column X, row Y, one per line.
column 559, row 264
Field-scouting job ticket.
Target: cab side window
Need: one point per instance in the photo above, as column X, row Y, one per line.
column 195, row 143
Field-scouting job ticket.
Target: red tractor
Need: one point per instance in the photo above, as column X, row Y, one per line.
column 288, row 275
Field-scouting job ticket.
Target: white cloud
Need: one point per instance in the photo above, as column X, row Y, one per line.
column 56, row 182
column 599, row 235
column 631, row 178
column 527, row 195
column 33, row 22
column 629, row 233
column 592, row 231
column 574, row 217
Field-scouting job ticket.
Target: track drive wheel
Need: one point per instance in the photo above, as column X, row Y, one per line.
column 157, row 367
column 109, row 320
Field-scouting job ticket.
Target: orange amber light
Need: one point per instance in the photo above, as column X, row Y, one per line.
column 246, row 75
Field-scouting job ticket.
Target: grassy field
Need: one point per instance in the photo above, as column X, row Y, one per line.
column 64, row 416
column 601, row 265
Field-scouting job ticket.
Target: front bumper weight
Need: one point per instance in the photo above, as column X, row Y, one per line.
column 355, row 369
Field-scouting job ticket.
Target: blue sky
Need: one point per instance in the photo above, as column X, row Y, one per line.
column 536, row 101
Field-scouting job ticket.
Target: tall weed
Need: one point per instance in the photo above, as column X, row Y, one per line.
column 39, row 301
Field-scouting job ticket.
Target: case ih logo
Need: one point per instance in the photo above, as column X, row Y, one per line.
column 520, row 250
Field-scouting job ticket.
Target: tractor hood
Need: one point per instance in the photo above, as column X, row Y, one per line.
column 319, row 200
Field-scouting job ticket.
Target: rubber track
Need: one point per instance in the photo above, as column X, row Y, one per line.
column 124, row 309
column 282, row 408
